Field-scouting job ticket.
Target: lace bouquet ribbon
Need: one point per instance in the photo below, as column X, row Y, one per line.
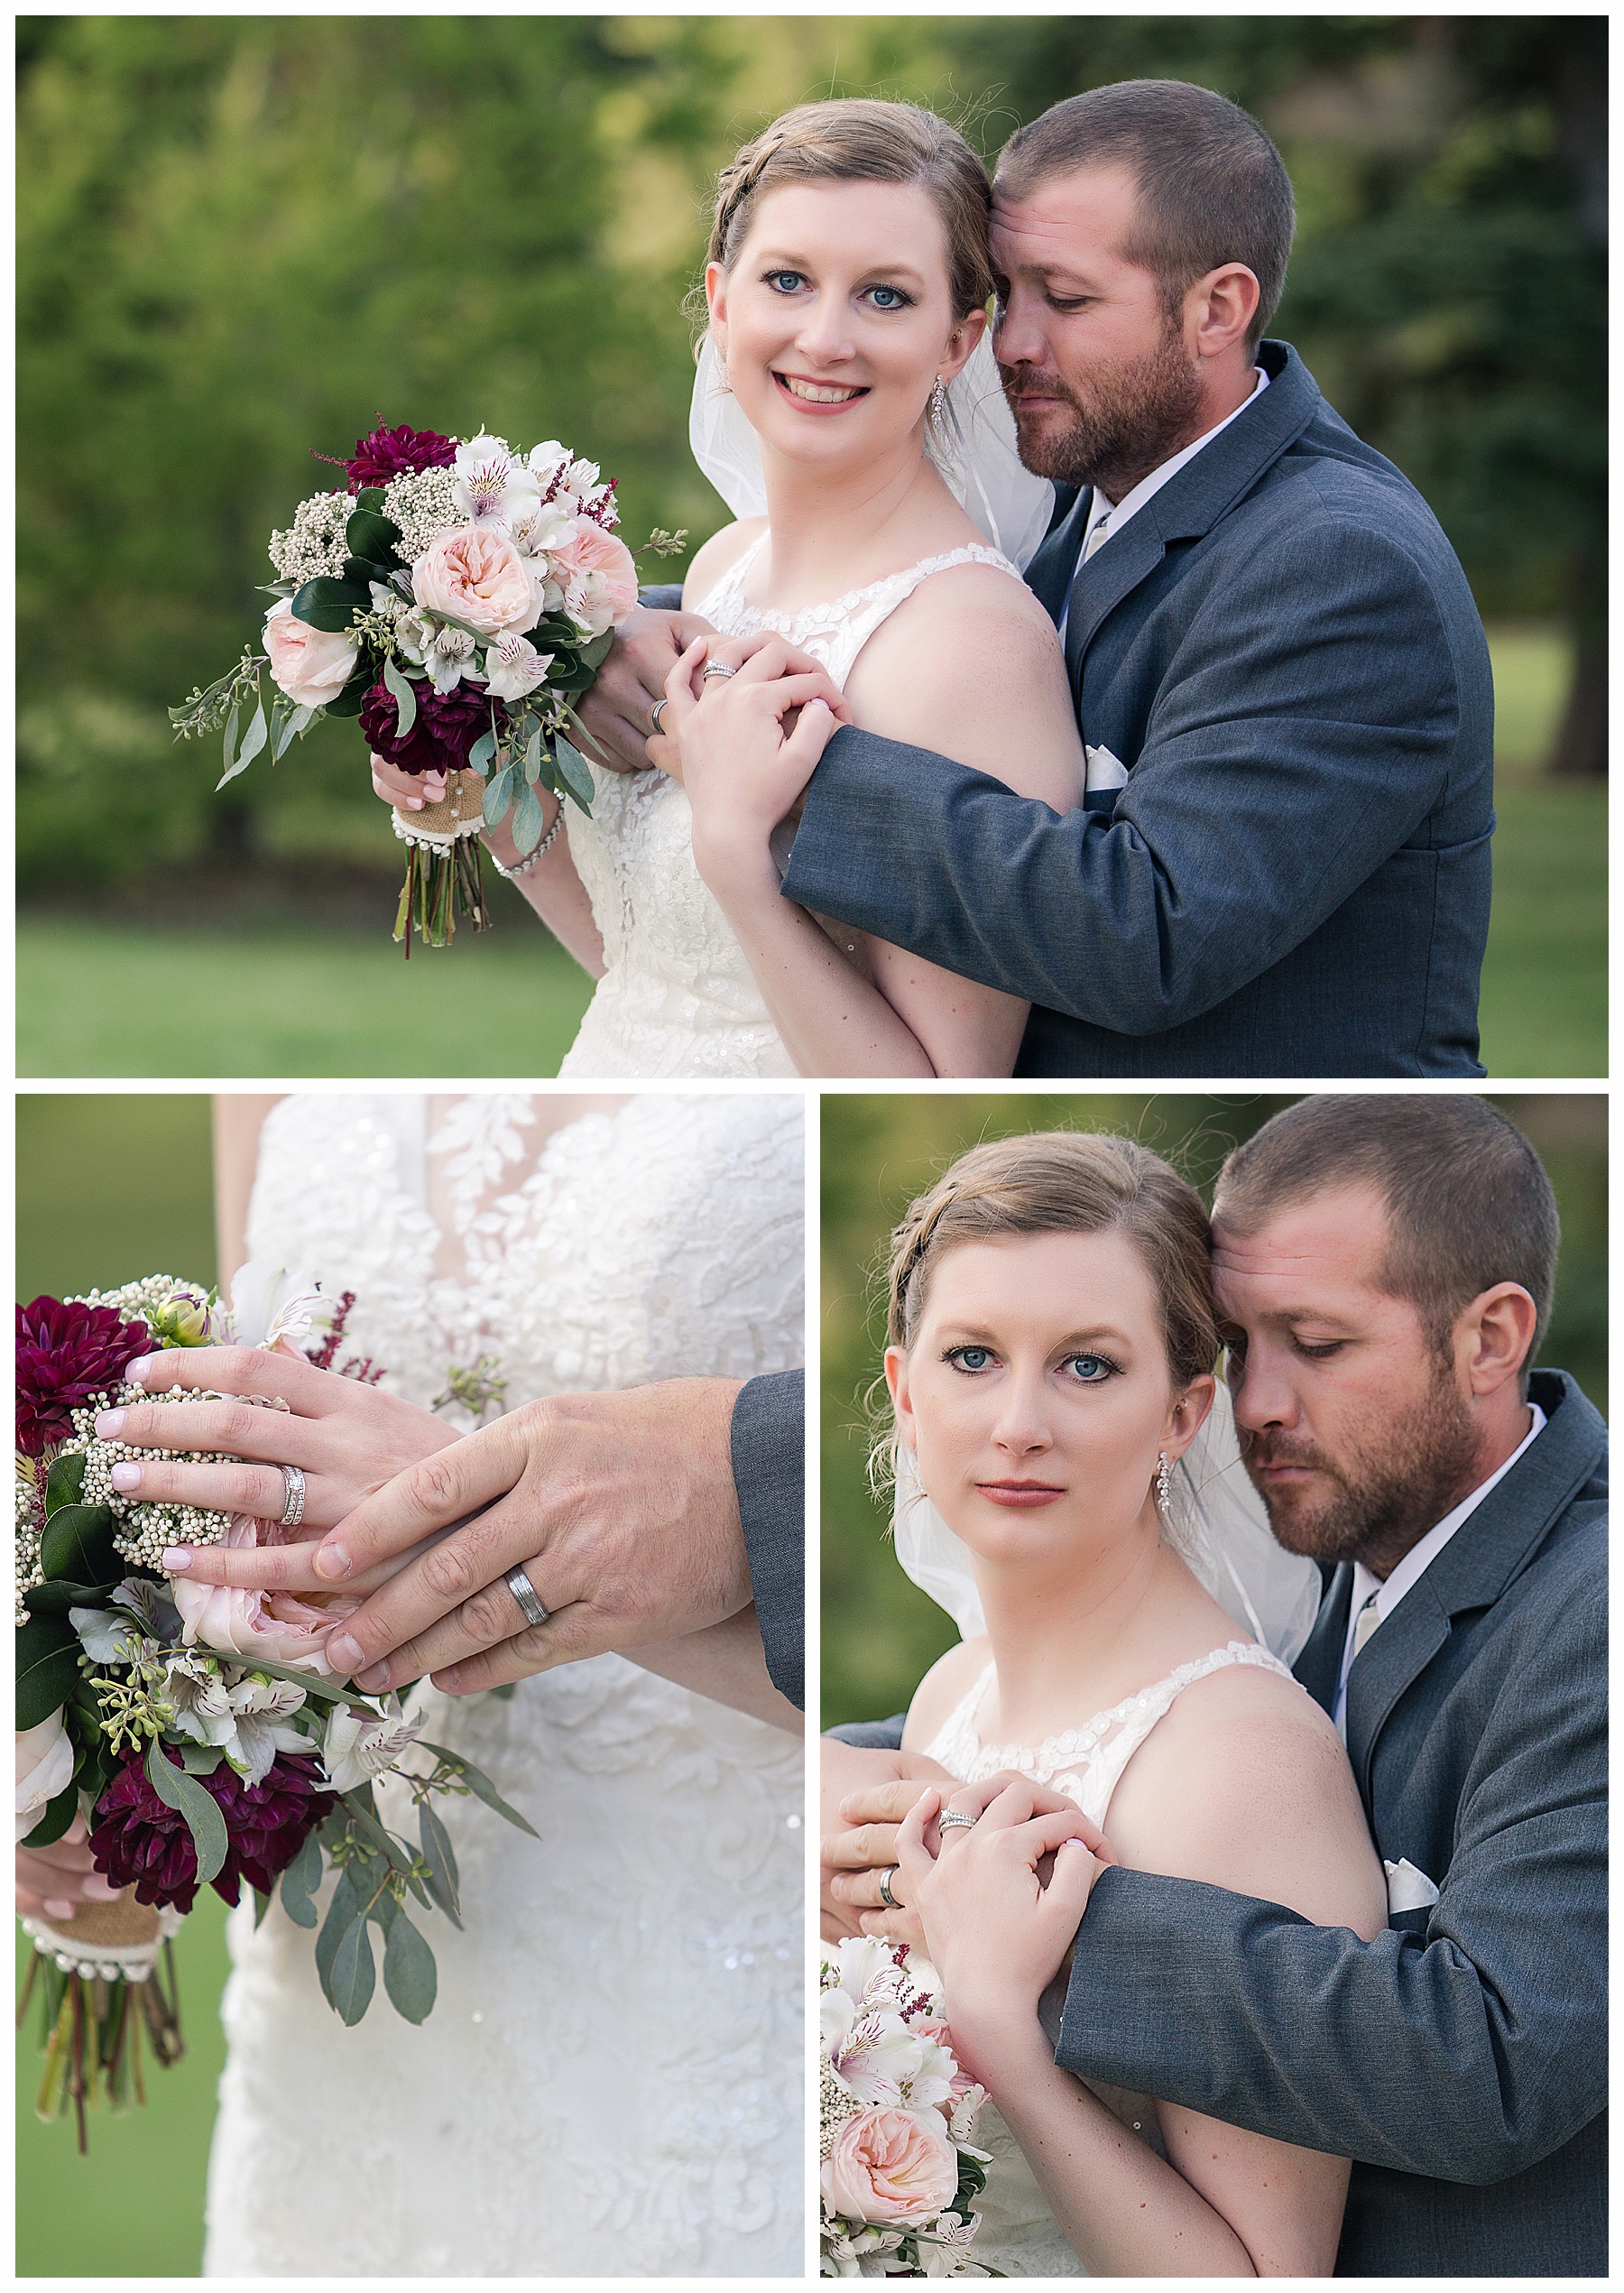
column 458, row 597
column 201, row 1735
column 898, row 2173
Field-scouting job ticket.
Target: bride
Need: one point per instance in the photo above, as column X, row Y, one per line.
column 848, row 408
column 1052, row 1337
column 610, row 2083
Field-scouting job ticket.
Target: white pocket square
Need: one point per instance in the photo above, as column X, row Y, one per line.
column 1105, row 770
column 1409, row 1889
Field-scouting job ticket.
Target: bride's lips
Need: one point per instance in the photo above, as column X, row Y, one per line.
column 818, row 405
column 1020, row 1497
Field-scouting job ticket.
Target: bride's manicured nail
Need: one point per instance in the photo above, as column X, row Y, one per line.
column 177, row 1559
column 137, row 1372
column 97, row 1889
column 343, row 1653
column 332, row 1562
column 55, row 1907
column 125, row 1477
column 108, row 1424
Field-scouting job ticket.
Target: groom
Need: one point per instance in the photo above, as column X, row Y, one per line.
column 1384, row 1269
column 1282, row 865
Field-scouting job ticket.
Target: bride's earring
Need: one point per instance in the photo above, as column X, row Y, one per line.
column 1164, row 1484
column 938, row 401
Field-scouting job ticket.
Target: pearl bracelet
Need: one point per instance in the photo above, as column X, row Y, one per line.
column 540, row 852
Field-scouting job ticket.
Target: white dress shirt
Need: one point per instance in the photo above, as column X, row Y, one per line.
column 1388, row 1593
column 1131, row 502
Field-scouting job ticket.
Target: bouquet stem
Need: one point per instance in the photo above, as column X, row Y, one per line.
column 443, row 879
column 93, row 2011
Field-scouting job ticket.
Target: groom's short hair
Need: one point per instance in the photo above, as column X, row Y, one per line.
column 1468, row 1201
column 1212, row 187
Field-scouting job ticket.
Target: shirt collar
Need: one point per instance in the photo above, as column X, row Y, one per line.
column 1119, row 513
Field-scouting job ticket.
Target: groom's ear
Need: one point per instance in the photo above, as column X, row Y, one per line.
column 1494, row 1335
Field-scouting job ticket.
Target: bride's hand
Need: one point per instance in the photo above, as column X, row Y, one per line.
column 742, row 771
column 347, row 1438
column 407, row 791
column 995, row 1932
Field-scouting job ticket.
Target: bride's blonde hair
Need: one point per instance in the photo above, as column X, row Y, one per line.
column 1059, row 1182
column 861, row 140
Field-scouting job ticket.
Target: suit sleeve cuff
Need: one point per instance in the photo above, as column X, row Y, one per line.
column 769, row 1463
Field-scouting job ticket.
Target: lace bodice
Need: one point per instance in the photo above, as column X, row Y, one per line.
column 1018, row 2234
column 676, row 996
column 610, row 2083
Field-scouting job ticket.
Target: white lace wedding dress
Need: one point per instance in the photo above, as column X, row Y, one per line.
column 1019, row 2235
column 677, row 997
column 611, row 2082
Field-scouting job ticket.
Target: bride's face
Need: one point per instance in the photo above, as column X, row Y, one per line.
column 1036, row 1395
column 836, row 318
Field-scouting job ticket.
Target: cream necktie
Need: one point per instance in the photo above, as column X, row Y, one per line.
column 1097, row 537
column 1370, row 1616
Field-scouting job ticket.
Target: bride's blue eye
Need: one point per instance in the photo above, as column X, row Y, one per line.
column 970, row 1357
column 784, row 281
column 1091, row 1369
column 889, row 298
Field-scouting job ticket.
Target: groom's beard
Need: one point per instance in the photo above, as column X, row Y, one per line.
column 1379, row 1496
column 1126, row 420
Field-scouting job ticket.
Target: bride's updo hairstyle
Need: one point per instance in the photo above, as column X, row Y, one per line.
column 859, row 140
column 1078, row 1182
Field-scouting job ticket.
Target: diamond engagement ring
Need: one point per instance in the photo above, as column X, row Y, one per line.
column 530, row 1606
column 956, row 1819
column 716, row 669
column 886, row 1897
column 294, row 1495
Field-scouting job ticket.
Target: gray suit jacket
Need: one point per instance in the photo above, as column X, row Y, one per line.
column 1460, row 2059
column 769, row 1474
column 1283, row 650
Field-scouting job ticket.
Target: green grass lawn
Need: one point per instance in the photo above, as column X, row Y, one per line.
column 104, row 997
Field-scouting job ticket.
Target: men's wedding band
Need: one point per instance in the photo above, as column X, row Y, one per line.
column 524, row 1593
column 293, row 1493
column 716, row 669
column 886, row 1897
column 654, row 712
column 955, row 1820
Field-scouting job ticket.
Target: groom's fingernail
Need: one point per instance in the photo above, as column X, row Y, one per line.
column 125, row 1477
column 343, row 1653
column 375, row 1677
column 108, row 1424
column 332, row 1561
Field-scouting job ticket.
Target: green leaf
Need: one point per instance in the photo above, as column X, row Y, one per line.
column 527, row 820
column 327, row 604
column 408, row 1971
column 482, row 750
column 262, row 1904
column 195, row 1806
column 371, row 535
column 229, row 748
column 78, row 1543
column 349, row 703
column 352, row 1976
column 318, row 1684
column 498, row 796
column 294, row 726
column 55, row 1820
column 442, row 1862
column 596, row 653
column 576, row 774
column 405, row 699
column 64, row 1481
column 254, row 739
column 200, row 1759
column 56, row 1598
column 299, row 1882
column 48, row 1672
column 342, row 1913
column 274, row 588
column 365, row 1817
column 370, row 497
column 479, row 1785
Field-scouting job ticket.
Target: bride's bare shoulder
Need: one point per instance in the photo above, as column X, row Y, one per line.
column 717, row 556
column 949, row 1679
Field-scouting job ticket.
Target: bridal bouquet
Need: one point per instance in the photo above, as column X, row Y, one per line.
column 895, row 2118
column 199, row 1730
column 458, row 597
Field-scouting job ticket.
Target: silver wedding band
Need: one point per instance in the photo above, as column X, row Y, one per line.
column 524, row 1593
column 716, row 669
column 886, row 1897
column 956, row 1819
column 654, row 712
column 293, row 1496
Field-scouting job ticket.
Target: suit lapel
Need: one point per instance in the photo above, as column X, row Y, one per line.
column 1049, row 575
column 1319, row 1667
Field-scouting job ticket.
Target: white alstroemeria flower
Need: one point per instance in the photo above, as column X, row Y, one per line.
column 248, row 1721
column 544, row 462
column 268, row 1304
column 870, row 2049
column 540, row 530
column 513, row 668
column 449, row 657
column 105, row 1637
column 356, row 1748
column 491, row 483
column 45, row 1758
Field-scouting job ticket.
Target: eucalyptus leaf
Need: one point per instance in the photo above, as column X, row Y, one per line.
column 527, row 820
column 405, row 699
column 78, row 1542
column 408, row 1971
column 195, row 1806
column 299, row 1882
column 479, row 1785
column 55, row 1820
column 275, row 588
column 353, row 1976
column 200, row 1759
column 229, row 748
column 318, row 1684
column 482, row 750
column 262, row 1904
column 596, row 653
column 442, row 1862
column 293, row 725
column 498, row 796
column 576, row 774
column 48, row 1668
column 254, row 739
column 342, row 1913
column 372, row 1830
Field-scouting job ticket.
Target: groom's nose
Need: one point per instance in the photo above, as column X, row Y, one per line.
column 1261, row 1389
column 1018, row 336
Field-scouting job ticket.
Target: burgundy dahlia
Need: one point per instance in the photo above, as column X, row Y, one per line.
column 140, row 1843
column 65, row 1354
column 448, row 726
column 386, row 454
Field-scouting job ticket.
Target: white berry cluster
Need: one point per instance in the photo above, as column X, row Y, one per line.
column 146, row 1526
column 314, row 543
column 423, row 504
column 31, row 1521
column 137, row 1302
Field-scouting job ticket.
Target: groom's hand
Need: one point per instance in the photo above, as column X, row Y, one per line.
column 617, row 711
column 620, row 1508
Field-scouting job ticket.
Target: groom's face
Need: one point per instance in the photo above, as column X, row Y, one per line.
column 1102, row 383
column 1355, row 1428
